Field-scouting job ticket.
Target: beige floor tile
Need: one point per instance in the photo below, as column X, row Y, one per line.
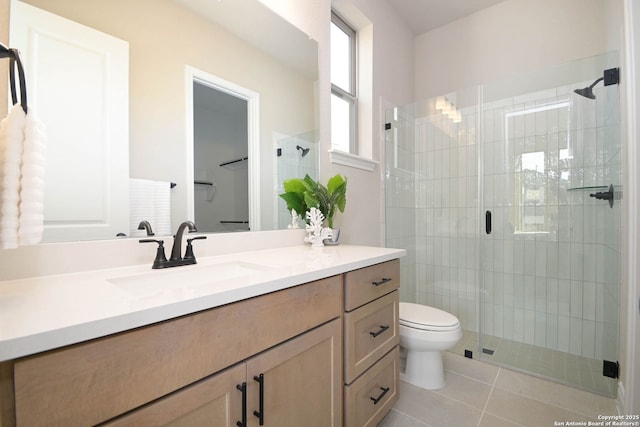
column 528, row 412
column 465, row 390
column 489, row 420
column 435, row 409
column 396, row 419
column 581, row 402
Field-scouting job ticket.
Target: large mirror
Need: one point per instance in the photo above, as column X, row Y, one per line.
column 183, row 58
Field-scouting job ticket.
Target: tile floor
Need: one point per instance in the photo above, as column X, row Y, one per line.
column 483, row 395
column 577, row 371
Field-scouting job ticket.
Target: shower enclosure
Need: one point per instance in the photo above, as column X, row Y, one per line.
column 296, row 156
column 492, row 190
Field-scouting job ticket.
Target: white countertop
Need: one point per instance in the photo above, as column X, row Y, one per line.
column 47, row 312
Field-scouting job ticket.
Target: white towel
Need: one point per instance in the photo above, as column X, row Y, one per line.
column 162, row 202
column 32, row 181
column 151, row 201
column 11, row 149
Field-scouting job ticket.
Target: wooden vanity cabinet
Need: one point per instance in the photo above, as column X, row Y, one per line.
column 371, row 343
column 280, row 335
column 298, row 389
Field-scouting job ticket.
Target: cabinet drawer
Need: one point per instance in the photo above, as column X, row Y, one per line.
column 370, row 332
column 372, row 395
column 88, row 383
column 369, row 283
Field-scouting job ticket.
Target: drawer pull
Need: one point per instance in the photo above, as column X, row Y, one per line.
column 379, row 331
column 382, row 282
column 260, row 414
column 377, row 399
column 243, row 389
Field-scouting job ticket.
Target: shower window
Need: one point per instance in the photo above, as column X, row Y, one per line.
column 532, row 135
column 530, row 183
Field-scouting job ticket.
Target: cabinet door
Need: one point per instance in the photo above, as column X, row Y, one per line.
column 299, row 381
column 215, row 401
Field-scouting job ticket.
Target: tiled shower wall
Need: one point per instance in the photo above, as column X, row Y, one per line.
column 550, row 266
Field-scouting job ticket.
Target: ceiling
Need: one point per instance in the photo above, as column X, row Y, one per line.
column 425, row 15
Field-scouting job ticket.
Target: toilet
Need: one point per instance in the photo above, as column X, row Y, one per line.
column 424, row 333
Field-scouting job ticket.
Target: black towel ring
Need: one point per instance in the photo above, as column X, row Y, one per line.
column 14, row 56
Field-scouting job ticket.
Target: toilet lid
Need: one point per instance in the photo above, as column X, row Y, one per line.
column 424, row 317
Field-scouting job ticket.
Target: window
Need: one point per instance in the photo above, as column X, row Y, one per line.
column 533, row 203
column 343, row 85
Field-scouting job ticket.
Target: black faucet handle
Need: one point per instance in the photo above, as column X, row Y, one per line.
column 159, row 242
column 188, row 253
column 161, row 260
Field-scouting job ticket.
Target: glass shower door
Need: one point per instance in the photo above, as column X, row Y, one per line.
column 431, row 200
column 549, row 278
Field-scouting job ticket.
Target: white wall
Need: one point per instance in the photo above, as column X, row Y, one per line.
column 628, row 401
column 513, row 37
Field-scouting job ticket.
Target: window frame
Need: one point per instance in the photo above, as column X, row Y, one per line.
column 349, row 96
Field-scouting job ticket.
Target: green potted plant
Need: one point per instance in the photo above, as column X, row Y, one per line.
column 304, row 194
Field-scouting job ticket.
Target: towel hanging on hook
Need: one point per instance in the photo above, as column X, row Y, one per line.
column 22, row 151
column 14, row 56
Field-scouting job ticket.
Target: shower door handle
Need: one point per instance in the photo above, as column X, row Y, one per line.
column 487, row 222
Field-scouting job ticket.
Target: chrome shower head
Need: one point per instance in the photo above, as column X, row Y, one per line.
column 303, row 150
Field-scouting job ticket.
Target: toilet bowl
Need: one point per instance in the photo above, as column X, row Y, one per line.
column 424, row 333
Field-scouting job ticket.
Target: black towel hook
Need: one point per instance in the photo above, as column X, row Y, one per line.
column 14, row 56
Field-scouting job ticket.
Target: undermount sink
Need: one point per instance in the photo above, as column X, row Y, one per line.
column 183, row 278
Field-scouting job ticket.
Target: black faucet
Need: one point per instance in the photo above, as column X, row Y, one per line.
column 144, row 225
column 176, row 250
column 176, row 258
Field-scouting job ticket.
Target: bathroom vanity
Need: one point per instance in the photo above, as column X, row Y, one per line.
column 279, row 337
